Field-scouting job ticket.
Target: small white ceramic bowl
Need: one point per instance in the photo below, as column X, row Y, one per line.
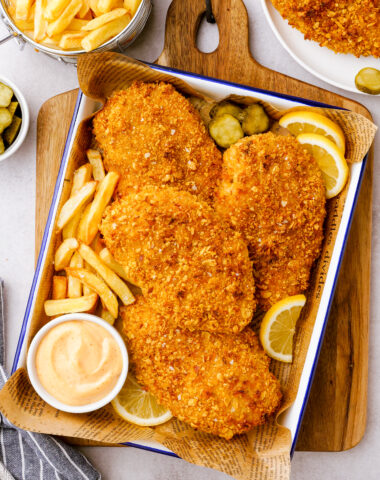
column 32, row 371
column 24, row 117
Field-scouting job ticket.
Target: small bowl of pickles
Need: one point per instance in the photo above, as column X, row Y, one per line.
column 14, row 118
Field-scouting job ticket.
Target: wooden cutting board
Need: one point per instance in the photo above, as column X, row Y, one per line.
column 335, row 418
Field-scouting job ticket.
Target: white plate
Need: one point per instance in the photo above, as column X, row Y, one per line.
column 337, row 69
column 216, row 89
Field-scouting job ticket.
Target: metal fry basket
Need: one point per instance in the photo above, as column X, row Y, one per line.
column 119, row 43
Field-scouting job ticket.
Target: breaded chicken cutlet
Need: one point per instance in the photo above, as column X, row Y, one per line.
column 218, row 383
column 191, row 266
column 272, row 192
column 151, row 135
column 345, row 26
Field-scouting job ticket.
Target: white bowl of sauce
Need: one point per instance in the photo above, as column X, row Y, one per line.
column 77, row 363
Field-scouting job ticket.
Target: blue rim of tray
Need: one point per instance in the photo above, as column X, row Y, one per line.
column 57, row 191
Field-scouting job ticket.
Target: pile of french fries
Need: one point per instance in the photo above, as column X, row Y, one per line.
column 86, row 270
column 72, row 24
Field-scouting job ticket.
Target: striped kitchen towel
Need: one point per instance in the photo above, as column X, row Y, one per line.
column 33, row 456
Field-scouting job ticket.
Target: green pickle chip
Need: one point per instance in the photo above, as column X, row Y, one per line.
column 12, row 108
column 6, row 94
column 5, row 119
column 368, row 81
column 12, row 131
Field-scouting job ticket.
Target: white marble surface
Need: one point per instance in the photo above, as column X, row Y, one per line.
column 40, row 78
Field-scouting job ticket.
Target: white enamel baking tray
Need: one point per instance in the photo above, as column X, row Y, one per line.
column 218, row 89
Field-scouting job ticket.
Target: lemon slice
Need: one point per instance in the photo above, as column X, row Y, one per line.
column 138, row 406
column 330, row 160
column 278, row 327
column 311, row 122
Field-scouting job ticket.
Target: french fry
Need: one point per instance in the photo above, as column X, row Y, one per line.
column 64, row 20
column 59, row 287
column 85, row 8
column 105, row 6
column 107, row 259
column 24, row 24
column 99, row 286
column 74, row 286
column 71, row 228
column 12, row 9
column 40, row 22
column 77, row 24
column 81, row 175
column 102, row 197
column 70, row 305
column 82, row 226
column 64, row 253
column 102, row 20
column 87, row 290
column 97, row 37
column 109, row 276
column 94, row 7
column 88, row 16
column 72, row 40
column 132, row 5
column 75, row 203
column 54, row 8
column 32, row 11
column 51, row 42
column 96, row 161
column 23, row 9
column 105, row 314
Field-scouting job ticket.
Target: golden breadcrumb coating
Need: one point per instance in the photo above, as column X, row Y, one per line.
column 272, row 192
column 345, row 26
column 191, row 266
column 218, row 383
column 151, row 135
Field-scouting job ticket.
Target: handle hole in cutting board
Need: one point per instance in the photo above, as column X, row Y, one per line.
column 207, row 40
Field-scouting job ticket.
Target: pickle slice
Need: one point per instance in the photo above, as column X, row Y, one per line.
column 11, row 132
column 368, row 81
column 226, row 130
column 6, row 94
column 255, row 120
column 12, row 108
column 227, row 107
column 5, row 119
column 2, row 147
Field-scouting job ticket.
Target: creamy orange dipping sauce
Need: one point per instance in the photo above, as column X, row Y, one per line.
column 78, row 362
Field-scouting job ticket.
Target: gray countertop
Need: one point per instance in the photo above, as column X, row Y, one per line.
column 40, row 78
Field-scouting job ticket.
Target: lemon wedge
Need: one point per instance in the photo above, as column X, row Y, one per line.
column 330, row 160
column 138, row 406
column 311, row 122
column 278, row 327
